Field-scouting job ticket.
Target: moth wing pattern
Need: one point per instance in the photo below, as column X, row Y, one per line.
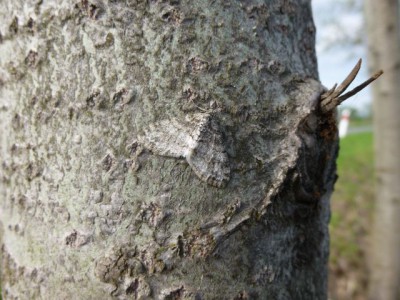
column 208, row 158
column 198, row 139
column 167, row 138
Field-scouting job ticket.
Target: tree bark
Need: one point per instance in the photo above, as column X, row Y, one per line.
column 384, row 52
column 163, row 150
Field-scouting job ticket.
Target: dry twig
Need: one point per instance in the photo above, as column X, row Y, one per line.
column 333, row 97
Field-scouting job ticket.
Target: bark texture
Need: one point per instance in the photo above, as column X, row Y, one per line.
column 384, row 52
column 163, row 150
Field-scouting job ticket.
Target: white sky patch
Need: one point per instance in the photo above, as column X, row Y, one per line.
column 334, row 26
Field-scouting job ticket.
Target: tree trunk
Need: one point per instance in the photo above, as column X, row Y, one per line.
column 163, row 150
column 384, row 51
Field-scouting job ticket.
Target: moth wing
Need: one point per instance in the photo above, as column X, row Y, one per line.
column 208, row 158
column 168, row 138
column 198, row 139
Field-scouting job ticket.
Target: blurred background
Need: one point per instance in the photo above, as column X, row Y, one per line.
column 341, row 41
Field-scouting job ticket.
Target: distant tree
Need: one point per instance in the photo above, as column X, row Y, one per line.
column 384, row 51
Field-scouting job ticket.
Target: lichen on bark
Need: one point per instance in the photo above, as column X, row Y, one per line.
column 98, row 215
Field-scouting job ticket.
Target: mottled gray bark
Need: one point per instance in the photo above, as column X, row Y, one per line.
column 384, row 52
column 163, row 150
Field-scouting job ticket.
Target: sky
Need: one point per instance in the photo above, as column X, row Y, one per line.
column 335, row 22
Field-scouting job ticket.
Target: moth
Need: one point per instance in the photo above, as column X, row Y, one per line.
column 198, row 139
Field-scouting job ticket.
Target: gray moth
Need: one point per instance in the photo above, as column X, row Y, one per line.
column 198, row 139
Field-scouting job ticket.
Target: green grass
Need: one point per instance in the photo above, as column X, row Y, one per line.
column 356, row 122
column 352, row 205
column 355, row 170
column 352, row 199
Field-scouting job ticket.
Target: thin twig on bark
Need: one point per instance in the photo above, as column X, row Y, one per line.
column 332, row 98
column 360, row 87
column 348, row 80
column 328, row 92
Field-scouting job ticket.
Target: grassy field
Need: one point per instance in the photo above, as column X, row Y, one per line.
column 352, row 205
column 357, row 122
